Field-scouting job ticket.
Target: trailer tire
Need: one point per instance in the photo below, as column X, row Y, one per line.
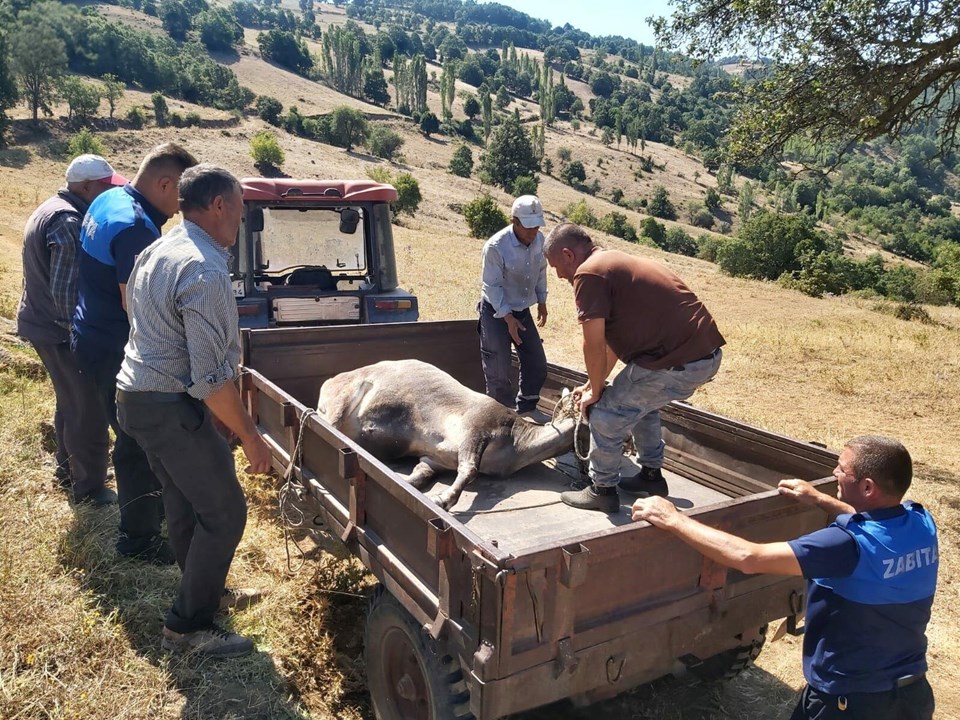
column 410, row 676
column 730, row 663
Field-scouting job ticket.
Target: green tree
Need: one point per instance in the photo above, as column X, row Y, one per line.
column 769, row 245
column 509, row 155
column 655, row 231
column 484, row 216
column 38, row 58
column 429, row 124
column 269, row 109
column 348, row 127
column 573, row 173
column 617, row 224
column 113, row 90
column 660, row 205
column 176, row 19
column 408, row 194
column 375, row 88
column 581, row 214
column 285, row 49
column 410, row 80
column 343, row 60
column 461, row 164
column 8, row 88
column 160, row 111
column 83, row 98
column 712, row 200
column 219, row 30
column 745, row 206
column 525, row 185
column 845, row 72
column 384, row 142
column 471, row 107
column 266, row 151
column 85, row 142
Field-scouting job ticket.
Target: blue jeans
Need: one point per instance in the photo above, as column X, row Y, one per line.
column 631, row 405
column 495, row 342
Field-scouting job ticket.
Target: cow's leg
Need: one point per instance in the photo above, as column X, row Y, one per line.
column 467, row 468
column 465, row 475
column 422, row 473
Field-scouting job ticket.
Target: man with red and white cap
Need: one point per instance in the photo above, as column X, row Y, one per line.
column 51, row 246
column 514, row 279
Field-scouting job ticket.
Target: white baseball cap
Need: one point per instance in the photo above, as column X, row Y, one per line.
column 528, row 210
column 92, row 167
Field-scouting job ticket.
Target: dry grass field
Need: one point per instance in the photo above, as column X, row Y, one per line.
column 79, row 629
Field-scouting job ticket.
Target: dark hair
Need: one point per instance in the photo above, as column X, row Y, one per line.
column 168, row 157
column 201, row 184
column 884, row 460
column 566, row 235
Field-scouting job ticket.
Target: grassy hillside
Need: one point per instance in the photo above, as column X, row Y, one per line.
column 79, row 630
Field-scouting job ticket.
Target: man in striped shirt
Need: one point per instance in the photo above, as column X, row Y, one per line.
column 178, row 373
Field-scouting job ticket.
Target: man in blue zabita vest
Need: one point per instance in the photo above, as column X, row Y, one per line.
column 872, row 577
column 118, row 226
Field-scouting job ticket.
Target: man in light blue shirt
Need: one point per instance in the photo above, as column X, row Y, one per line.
column 514, row 279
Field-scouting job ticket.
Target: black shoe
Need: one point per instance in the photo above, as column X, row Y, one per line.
column 156, row 551
column 649, row 482
column 590, row 499
column 97, row 498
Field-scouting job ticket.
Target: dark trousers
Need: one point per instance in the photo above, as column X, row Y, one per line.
column 82, row 439
column 912, row 702
column 138, row 490
column 495, row 344
column 205, row 507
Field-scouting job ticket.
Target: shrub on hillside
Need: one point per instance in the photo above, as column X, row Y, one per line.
column 461, row 164
column 136, row 117
column 160, row 110
column 581, row 214
column 409, row 198
column 616, row 224
column 699, row 215
column 525, row 185
column 660, row 205
column 348, row 127
column 484, row 216
column 266, row 151
column 655, row 231
column 192, row 119
column 708, row 246
column 573, row 173
column 85, row 142
column 384, row 142
column 269, row 109
column 680, row 242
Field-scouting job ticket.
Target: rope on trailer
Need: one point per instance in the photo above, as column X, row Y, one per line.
column 503, row 510
column 292, row 517
column 565, row 408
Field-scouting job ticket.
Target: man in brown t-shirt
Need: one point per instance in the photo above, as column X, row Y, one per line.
column 637, row 311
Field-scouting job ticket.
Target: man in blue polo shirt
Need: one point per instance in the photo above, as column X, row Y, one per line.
column 872, row 573
column 118, row 226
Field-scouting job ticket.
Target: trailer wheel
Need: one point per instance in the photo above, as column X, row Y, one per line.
column 730, row 663
column 409, row 675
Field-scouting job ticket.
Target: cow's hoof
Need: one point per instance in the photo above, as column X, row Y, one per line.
column 443, row 501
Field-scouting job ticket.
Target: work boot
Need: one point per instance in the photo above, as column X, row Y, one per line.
column 239, row 598
column 606, row 499
column 213, row 642
column 648, row 482
column 97, row 498
column 156, row 551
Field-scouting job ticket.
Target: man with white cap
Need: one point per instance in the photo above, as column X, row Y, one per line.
column 51, row 246
column 514, row 279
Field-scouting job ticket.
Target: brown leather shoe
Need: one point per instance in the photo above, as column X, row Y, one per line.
column 212, row 642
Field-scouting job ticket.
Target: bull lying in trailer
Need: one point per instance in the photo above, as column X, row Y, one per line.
column 511, row 600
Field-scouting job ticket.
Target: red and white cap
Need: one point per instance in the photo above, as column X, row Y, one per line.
column 92, row 167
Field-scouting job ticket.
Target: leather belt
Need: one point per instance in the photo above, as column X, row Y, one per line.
column 126, row 396
column 679, row 368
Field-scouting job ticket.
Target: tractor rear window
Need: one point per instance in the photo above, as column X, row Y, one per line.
column 312, row 237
